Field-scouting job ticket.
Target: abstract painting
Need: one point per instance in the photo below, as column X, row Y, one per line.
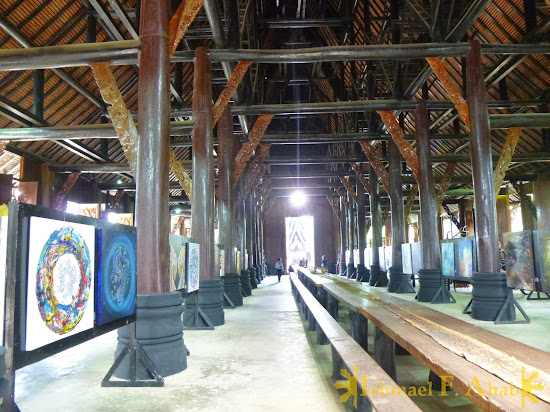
column 465, row 267
column 177, row 261
column 193, row 267
column 117, row 275
column 520, row 268
column 387, row 255
column 448, row 259
column 416, row 252
column 381, row 258
column 60, row 280
column 542, row 258
column 406, row 258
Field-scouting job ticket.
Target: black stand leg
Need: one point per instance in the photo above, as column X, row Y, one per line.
column 136, row 352
column 201, row 321
column 443, row 295
column 538, row 295
column 508, row 305
column 466, row 310
column 228, row 300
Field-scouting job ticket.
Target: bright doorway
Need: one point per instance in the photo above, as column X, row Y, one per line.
column 300, row 240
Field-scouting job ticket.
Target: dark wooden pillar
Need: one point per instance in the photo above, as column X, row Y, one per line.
column 376, row 227
column 361, row 233
column 351, row 232
column 431, row 256
column 226, row 204
column 203, row 164
column 343, row 236
column 466, row 215
column 489, row 284
column 152, row 209
column 396, row 202
column 542, row 201
column 240, row 233
column 482, row 164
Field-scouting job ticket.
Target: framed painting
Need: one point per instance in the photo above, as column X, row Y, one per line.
column 60, row 280
column 466, row 258
column 406, row 258
column 117, row 274
column 222, row 262
column 387, row 256
column 416, row 253
column 448, row 258
column 193, row 267
column 542, row 258
column 520, row 267
column 178, row 261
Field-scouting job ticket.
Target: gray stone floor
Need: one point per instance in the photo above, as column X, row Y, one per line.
column 260, row 360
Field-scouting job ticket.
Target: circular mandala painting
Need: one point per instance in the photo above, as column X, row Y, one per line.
column 118, row 280
column 63, row 280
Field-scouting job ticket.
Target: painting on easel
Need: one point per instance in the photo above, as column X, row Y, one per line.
column 542, row 261
column 520, row 268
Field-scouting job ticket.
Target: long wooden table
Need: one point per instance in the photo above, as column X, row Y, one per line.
column 416, row 328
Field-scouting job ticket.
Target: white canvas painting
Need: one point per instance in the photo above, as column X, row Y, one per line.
column 193, row 267
column 60, row 281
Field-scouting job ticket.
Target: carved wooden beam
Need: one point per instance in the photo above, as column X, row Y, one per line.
column 181, row 20
column 524, row 199
column 229, row 90
column 445, row 182
column 121, row 118
column 361, row 176
column 348, row 188
column 410, row 201
column 342, row 195
column 257, row 169
column 181, row 174
column 459, row 225
column 246, row 151
column 405, row 147
column 178, row 224
column 378, row 166
column 334, row 204
column 116, row 199
column 506, row 156
column 451, row 88
column 64, row 190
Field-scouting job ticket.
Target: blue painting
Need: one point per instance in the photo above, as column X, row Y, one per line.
column 448, row 259
column 406, row 258
column 465, row 267
column 116, row 297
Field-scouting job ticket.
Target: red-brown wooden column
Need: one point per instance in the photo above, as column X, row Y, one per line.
column 399, row 282
column 343, row 236
column 430, row 278
column 158, row 310
column 362, row 272
column 202, row 204
column 240, row 232
column 490, row 288
column 377, row 277
column 226, row 206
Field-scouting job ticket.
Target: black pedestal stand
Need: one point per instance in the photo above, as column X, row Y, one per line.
column 136, row 353
column 198, row 320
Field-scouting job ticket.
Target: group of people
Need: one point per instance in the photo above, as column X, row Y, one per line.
column 280, row 267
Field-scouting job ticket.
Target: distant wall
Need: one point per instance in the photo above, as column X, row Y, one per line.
column 326, row 236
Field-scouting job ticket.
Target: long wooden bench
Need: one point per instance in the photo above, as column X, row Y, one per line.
column 466, row 376
column 347, row 353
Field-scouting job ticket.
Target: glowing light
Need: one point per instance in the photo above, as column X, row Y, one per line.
column 16, row 193
column 177, row 210
column 112, row 217
column 119, row 182
column 298, row 199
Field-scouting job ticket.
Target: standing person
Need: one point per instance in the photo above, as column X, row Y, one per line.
column 324, row 261
column 279, row 266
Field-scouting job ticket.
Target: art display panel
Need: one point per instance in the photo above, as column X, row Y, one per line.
column 60, row 281
column 193, row 267
column 448, row 259
column 466, row 258
column 406, row 258
column 381, row 258
column 238, row 261
column 178, row 261
column 416, row 252
column 518, row 252
column 387, row 256
column 222, row 262
column 117, row 275
column 542, row 258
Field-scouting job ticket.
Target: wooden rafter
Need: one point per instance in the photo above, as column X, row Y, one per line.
column 505, row 157
column 360, row 175
column 348, row 187
column 229, row 90
column 181, row 20
column 378, row 166
column 60, row 194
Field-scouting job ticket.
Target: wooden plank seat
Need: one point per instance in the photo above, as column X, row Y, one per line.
column 349, row 355
column 481, row 387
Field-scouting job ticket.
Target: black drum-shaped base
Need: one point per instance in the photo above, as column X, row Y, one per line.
column 488, row 296
column 374, row 274
column 429, row 281
column 381, row 277
column 159, row 330
column 351, row 270
column 232, row 288
column 258, row 274
column 210, row 301
column 252, row 273
column 342, row 269
column 363, row 274
column 399, row 281
column 245, row 283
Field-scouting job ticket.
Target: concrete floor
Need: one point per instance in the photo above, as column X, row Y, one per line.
column 260, row 360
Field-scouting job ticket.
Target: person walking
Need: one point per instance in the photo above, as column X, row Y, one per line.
column 280, row 268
